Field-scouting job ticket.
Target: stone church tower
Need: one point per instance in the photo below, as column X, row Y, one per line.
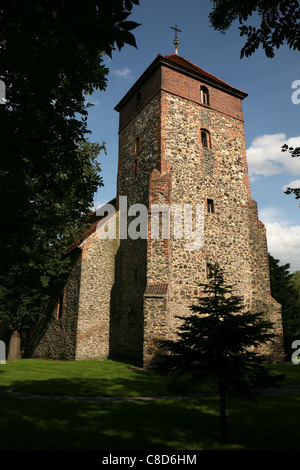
column 181, row 147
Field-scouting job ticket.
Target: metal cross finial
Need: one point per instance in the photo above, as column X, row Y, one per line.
column 176, row 41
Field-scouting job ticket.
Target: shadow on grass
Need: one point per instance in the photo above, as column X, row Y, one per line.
column 34, row 425
column 126, row 381
column 134, row 387
column 270, row 424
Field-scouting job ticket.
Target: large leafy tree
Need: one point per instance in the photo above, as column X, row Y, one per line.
column 52, row 56
column 285, row 290
column 295, row 153
column 220, row 341
column 279, row 23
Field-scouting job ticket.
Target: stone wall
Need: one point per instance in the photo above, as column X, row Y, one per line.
column 123, row 293
column 97, row 280
column 55, row 335
column 234, row 237
column 79, row 328
column 261, row 299
column 138, row 156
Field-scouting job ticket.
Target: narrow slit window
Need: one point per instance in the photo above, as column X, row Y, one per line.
column 210, row 206
column 209, row 271
column 205, row 138
column 204, row 95
column 137, row 145
column 60, row 306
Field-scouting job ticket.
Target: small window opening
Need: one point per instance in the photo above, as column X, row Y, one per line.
column 204, row 95
column 60, row 306
column 205, row 138
column 209, row 271
column 137, row 145
column 210, row 206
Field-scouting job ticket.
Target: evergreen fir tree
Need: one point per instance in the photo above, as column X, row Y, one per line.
column 220, row 341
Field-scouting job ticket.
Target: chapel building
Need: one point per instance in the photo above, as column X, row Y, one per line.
column 181, row 154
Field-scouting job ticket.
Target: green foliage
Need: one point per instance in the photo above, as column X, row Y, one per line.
column 295, row 153
column 51, row 57
column 279, row 23
column 295, row 282
column 187, row 424
column 102, row 378
column 220, row 341
column 285, row 288
column 33, row 245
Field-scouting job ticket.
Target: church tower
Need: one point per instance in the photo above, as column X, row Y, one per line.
column 182, row 146
column 183, row 203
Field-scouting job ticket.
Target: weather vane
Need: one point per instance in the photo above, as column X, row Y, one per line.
column 176, row 41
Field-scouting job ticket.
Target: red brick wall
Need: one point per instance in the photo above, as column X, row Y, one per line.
column 164, row 78
column 148, row 90
column 189, row 88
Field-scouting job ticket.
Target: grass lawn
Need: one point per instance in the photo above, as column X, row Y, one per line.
column 189, row 424
column 85, row 378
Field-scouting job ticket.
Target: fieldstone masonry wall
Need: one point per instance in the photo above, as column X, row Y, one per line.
column 234, row 237
column 97, row 280
column 124, row 294
column 83, row 331
column 54, row 337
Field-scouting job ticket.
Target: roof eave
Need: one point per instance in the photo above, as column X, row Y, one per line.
column 161, row 60
column 148, row 72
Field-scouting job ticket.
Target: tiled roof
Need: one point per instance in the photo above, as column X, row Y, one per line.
column 183, row 65
column 92, row 223
column 194, row 68
column 156, row 289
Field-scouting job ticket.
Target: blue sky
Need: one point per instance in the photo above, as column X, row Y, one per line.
column 271, row 118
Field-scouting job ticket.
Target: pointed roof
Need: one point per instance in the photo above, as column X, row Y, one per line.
column 181, row 61
column 92, row 223
column 181, row 65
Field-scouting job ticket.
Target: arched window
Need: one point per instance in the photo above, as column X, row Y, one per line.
column 204, row 95
column 205, row 138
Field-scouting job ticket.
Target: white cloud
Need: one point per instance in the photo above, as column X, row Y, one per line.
column 282, row 237
column 270, row 214
column 265, row 157
column 292, row 184
column 125, row 73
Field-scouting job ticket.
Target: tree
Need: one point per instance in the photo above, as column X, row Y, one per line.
column 220, row 341
column 295, row 153
column 33, row 262
column 279, row 23
column 295, row 282
column 284, row 290
column 51, row 56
